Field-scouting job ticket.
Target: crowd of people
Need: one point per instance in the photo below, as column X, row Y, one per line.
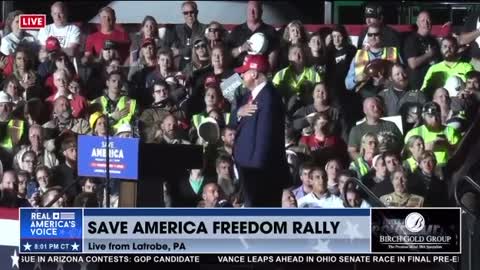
column 336, row 102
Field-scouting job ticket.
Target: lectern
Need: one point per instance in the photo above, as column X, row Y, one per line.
column 159, row 164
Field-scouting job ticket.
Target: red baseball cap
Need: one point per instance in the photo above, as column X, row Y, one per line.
column 148, row 41
column 254, row 61
column 52, row 44
column 211, row 81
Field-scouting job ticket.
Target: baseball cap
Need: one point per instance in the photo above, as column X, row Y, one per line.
column 254, row 61
column 68, row 143
column 5, row 98
column 211, row 81
column 431, row 108
column 52, row 44
column 109, row 44
column 148, row 41
column 373, row 11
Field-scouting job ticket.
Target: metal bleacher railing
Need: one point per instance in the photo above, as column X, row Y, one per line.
column 470, row 226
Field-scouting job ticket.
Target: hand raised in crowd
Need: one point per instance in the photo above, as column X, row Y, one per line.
column 310, row 118
column 35, row 199
column 440, row 141
column 117, row 115
column 245, row 47
column 463, row 94
column 3, row 62
column 27, row 81
column 247, row 110
column 378, row 80
column 361, row 77
column 429, row 51
column 175, row 51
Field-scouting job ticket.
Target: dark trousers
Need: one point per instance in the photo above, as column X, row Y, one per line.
column 260, row 188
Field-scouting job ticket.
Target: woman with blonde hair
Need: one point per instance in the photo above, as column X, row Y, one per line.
column 368, row 150
column 294, row 34
column 412, row 151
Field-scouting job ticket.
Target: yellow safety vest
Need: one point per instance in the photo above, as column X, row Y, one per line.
column 412, row 163
column 198, row 119
column 440, row 154
column 360, row 166
column 362, row 58
column 8, row 141
column 286, row 78
column 122, row 102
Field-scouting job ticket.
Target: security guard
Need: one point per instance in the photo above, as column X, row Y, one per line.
column 119, row 108
column 14, row 129
column 400, row 197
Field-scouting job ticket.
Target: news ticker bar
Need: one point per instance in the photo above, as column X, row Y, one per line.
column 245, row 231
column 241, row 259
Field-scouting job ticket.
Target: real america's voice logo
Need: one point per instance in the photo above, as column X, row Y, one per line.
column 419, row 230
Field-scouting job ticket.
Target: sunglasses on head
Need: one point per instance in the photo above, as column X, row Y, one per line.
column 373, row 34
column 200, row 45
column 189, row 12
column 213, row 30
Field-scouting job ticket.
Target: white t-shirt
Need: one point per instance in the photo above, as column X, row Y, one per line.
column 328, row 201
column 67, row 35
column 10, row 42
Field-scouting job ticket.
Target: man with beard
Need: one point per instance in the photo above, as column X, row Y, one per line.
column 440, row 139
column 168, row 132
column 451, row 65
column 65, row 174
column 468, row 98
column 63, row 119
column 398, row 99
column 228, row 139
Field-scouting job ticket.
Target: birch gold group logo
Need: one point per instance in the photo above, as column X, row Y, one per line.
column 414, row 222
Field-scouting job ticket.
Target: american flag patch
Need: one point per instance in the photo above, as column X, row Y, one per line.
column 67, row 215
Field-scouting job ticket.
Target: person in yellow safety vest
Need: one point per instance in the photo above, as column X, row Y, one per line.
column 452, row 65
column 297, row 79
column 440, row 139
column 413, row 150
column 369, row 148
column 120, row 109
column 15, row 128
column 213, row 100
column 376, row 50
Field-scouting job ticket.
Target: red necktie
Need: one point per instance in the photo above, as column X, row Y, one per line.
column 250, row 99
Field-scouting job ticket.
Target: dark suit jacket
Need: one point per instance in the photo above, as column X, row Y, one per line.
column 260, row 139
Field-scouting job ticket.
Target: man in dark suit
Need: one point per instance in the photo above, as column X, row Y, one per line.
column 259, row 149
